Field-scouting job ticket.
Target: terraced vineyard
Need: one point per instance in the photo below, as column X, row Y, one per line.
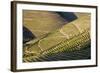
column 77, row 44
column 70, row 42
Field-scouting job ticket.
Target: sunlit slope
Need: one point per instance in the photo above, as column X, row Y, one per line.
column 42, row 22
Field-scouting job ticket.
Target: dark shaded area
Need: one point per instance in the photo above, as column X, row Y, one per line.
column 69, row 16
column 82, row 54
column 27, row 35
column 76, row 55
